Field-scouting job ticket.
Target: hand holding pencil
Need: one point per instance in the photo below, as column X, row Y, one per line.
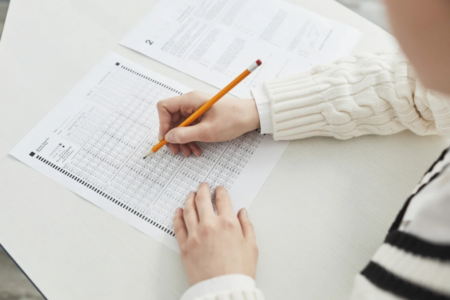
column 223, row 120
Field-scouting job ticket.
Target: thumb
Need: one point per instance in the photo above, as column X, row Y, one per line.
column 184, row 135
column 247, row 226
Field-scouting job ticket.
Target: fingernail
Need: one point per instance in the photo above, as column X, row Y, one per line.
column 191, row 193
column 170, row 137
column 244, row 212
column 160, row 137
column 178, row 211
column 197, row 154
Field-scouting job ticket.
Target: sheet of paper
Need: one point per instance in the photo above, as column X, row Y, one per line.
column 214, row 40
column 93, row 142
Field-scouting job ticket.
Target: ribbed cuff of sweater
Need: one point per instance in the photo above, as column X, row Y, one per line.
column 234, row 286
column 301, row 108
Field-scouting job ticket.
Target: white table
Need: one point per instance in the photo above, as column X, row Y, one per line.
column 320, row 216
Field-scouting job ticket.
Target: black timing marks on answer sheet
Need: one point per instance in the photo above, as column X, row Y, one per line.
column 150, row 79
column 103, row 194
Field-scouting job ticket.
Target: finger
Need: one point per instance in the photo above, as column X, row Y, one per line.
column 247, row 226
column 179, row 227
column 171, row 109
column 223, row 202
column 185, row 150
column 200, row 132
column 165, row 116
column 185, row 104
column 174, row 148
column 195, row 149
column 203, row 202
column 176, row 118
column 190, row 213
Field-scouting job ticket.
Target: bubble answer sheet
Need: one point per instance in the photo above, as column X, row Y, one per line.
column 212, row 39
column 93, row 142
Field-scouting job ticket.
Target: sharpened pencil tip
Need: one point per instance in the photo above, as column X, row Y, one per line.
column 151, row 152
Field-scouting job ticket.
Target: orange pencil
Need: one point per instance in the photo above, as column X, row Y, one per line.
column 210, row 103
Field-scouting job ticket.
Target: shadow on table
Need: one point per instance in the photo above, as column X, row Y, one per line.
column 4, row 4
column 14, row 284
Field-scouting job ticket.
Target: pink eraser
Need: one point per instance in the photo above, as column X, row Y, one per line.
column 259, row 62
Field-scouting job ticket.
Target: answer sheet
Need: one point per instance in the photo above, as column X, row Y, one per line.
column 214, row 40
column 93, row 142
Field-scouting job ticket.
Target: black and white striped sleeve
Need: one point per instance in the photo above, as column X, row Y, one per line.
column 414, row 260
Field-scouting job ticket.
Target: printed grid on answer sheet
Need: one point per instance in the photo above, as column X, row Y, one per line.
column 118, row 126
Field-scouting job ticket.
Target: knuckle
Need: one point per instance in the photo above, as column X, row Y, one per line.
column 197, row 93
column 193, row 241
column 184, row 250
column 229, row 223
column 207, row 229
column 188, row 210
column 190, row 110
column 198, row 200
column 160, row 104
column 191, row 94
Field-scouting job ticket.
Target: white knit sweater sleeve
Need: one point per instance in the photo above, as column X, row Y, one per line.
column 357, row 95
column 226, row 287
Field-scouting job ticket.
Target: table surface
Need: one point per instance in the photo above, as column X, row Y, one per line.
column 319, row 217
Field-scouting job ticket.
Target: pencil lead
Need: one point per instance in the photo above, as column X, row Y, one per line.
column 151, row 153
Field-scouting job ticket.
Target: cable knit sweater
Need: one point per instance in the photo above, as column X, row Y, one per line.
column 357, row 95
column 367, row 94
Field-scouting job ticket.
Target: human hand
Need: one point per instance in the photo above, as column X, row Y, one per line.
column 228, row 119
column 214, row 245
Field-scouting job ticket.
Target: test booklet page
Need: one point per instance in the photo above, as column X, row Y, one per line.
column 93, row 142
column 213, row 40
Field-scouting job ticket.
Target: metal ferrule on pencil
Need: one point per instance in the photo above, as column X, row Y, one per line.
column 254, row 66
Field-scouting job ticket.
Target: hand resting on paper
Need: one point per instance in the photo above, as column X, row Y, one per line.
column 214, row 245
column 229, row 118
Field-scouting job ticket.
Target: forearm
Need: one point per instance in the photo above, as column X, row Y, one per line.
column 369, row 94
